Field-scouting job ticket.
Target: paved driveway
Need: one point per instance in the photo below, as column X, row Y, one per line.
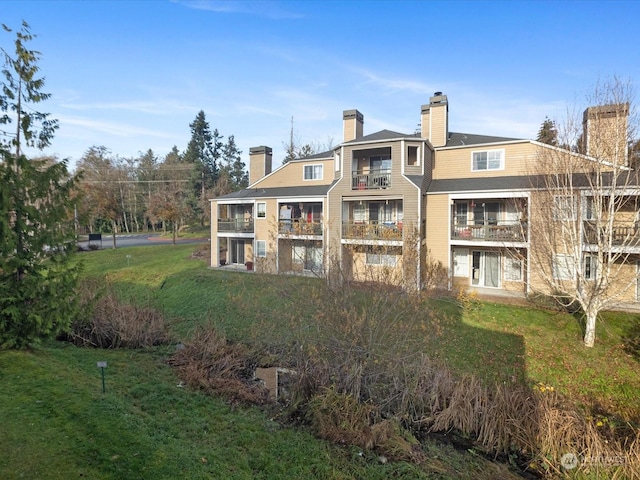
column 138, row 240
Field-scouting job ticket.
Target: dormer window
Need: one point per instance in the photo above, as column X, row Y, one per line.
column 413, row 155
column 487, row 160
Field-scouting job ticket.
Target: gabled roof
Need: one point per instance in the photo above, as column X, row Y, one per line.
column 382, row 135
column 297, row 191
column 461, row 139
column 316, row 156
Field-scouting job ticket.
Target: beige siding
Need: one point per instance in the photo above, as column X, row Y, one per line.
column 439, row 125
column 292, row 175
column 438, row 230
column 456, row 163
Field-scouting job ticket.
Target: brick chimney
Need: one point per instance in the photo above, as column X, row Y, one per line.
column 604, row 132
column 434, row 120
column 353, row 122
column 259, row 163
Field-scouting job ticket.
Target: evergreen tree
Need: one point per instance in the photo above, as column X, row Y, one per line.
column 203, row 153
column 37, row 280
column 548, row 132
column 233, row 165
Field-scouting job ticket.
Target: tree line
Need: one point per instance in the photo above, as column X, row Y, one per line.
column 149, row 192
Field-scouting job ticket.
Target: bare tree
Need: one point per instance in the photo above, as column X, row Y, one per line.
column 584, row 227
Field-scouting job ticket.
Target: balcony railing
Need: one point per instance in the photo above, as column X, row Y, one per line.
column 372, row 231
column 504, row 232
column 299, row 227
column 626, row 234
column 235, row 225
column 372, row 180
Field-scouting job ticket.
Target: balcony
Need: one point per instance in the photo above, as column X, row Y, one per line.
column 372, row 231
column 235, row 225
column 503, row 232
column 299, row 227
column 623, row 234
column 371, row 180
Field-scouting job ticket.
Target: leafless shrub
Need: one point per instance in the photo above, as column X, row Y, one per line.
column 211, row 363
column 110, row 323
column 343, row 419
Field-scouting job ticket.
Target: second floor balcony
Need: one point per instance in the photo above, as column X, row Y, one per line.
column 621, row 234
column 239, row 225
column 371, row 180
column 489, row 231
column 299, row 227
column 372, row 231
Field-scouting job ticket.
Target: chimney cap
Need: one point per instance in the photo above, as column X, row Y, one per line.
column 260, row 149
column 353, row 113
column 437, row 94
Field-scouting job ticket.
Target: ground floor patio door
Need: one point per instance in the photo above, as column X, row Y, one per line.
column 486, row 269
column 237, row 251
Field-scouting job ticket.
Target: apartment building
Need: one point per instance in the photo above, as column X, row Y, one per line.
column 378, row 206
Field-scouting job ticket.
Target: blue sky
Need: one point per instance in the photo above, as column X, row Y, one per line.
column 132, row 75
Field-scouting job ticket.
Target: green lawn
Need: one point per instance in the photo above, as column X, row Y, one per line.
column 497, row 342
column 57, row 423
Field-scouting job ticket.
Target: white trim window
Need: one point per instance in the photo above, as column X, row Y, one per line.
column 261, row 210
column 513, row 269
column 313, row 172
column 487, row 160
column 564, row 266
column 261, row 248
column 564, row 207
column 382, row 259
column 590, row 267
column 413, row 155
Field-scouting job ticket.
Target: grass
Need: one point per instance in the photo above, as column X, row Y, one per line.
column 503, row 343
column 58, row 424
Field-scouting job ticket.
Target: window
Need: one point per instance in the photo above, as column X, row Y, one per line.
column 564, row 208
column 412, row 156
column 261, row 248
column 382, row 259
column 261, row 210
column 513, row 269
column 313, row 172
column 487, row 160
column 563, row 266
column 380, row 164
column 359, row 213
column 461, row 262
column 588, row 213
column 590, row 267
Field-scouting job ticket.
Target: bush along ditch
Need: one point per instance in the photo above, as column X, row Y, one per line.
column 353, row 380
column 107, row 322
column 532, row 428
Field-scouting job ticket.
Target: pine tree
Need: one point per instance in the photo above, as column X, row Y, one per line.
column 37, row 280
column 203, row 152
column 548, row 132
column 233, row 165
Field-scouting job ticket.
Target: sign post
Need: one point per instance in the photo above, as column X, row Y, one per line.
column 102, row 366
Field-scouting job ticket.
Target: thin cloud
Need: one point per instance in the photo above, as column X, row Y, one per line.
column 147, row 107
column 109, row 128
column 395, row 84
column 271, row 10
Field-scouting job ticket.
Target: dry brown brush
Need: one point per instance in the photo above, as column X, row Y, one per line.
column 108, row 322
column 211, row 363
